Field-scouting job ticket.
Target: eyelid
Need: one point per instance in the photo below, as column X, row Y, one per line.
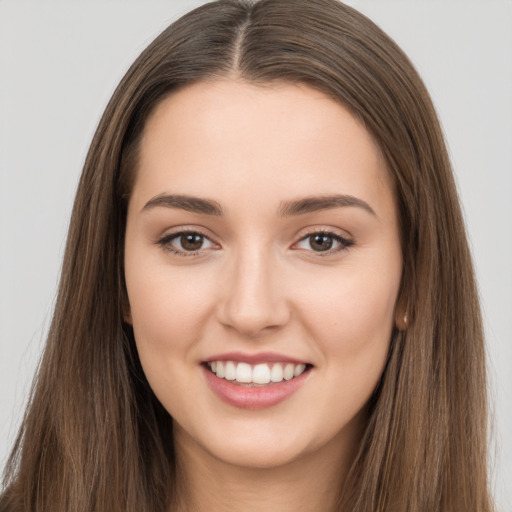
column 165, row 240
column 327, row 230
column 344, row 241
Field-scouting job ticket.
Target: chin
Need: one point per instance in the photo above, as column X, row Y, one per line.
column 249, row 445
column 257, row 456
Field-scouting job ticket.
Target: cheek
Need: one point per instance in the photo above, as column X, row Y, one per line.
column 351, row 315
column 351, row 322
column 168, row 310
column 169, row 318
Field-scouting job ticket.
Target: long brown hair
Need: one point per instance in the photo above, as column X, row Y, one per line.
column 95, row 438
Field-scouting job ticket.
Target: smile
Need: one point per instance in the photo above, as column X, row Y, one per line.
column 255, row 382
column 258, row 374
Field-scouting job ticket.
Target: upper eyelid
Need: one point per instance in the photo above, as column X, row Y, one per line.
column 172, row 236
column 180, row 230
column 164, row 242
column 337, row 232
column 336, row 236
column 343, row 241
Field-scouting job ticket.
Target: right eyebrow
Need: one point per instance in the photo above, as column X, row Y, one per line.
column 187, row 203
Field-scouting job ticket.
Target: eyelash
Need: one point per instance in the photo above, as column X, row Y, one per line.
column 344, row 243
column 165, row 242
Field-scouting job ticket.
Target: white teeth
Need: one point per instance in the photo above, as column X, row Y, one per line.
column 230, row 371
column 261, row 373
column 299, row 369
column 288, row 371
column 276, row 375
column 244, row 373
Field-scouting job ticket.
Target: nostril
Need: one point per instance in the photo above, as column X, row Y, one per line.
column 253, row 321
column 251, row 300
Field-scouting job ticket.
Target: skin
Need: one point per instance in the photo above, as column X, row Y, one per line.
column 257, row 284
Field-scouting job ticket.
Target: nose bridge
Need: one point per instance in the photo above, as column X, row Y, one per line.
column 254, row 297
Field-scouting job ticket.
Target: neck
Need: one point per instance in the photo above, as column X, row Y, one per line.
column 311, row 482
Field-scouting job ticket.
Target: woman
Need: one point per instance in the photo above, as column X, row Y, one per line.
column 260, row 303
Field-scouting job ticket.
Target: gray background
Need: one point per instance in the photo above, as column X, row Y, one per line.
column 59, row 64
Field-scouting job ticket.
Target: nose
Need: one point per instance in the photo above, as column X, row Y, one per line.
column 253, row 299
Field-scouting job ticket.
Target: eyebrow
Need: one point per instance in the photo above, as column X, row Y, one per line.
column 187, row 203
column 316, row 203
column 287, row 208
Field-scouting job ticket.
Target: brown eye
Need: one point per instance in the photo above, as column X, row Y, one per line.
column 191, row 241
column 186, row 243
column 321, row 242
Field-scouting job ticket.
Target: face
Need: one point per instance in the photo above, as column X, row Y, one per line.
column 262, row 266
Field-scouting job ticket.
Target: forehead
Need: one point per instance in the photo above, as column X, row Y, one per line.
column 228, row 138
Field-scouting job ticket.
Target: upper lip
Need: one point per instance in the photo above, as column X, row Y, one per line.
column 260, row 357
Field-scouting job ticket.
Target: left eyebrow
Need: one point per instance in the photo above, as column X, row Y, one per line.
column 316, row 203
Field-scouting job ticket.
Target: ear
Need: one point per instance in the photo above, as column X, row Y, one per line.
column 127, row 315
column 126, row 309
column 402, row 318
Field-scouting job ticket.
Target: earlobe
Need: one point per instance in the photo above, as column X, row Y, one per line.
column 127, row 314
column 125, row 306
column 402, row 307
column 401, row 320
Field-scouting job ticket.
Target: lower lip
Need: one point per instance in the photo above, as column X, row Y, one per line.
column 246, row 397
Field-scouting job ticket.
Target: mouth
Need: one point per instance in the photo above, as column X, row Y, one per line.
column 256, row 375
column 255, row 382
